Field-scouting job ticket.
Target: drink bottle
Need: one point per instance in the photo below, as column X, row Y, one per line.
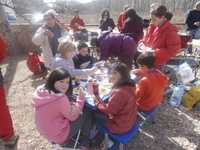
column 177, row 94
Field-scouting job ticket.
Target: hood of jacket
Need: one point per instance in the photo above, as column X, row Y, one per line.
column 43, row 97
column 157, row 78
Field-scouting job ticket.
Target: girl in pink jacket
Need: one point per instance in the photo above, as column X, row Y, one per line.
column 56, row 118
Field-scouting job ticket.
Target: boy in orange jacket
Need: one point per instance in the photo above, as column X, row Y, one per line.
column 150, row 88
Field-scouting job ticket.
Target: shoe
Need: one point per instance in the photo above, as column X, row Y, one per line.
column 110, row 144
column 11, row 142
column 85, row 144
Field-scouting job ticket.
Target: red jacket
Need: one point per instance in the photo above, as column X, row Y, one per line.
column 3, row 49
column 166, row 43
column 121, row 109
column 121, row 20
column 76, row 20
column 149, row 91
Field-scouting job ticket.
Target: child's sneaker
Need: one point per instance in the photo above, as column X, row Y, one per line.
column 110, row 144
column 85, row 144
column 11, row 142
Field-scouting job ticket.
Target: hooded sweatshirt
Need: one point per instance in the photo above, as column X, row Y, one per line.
column 52, row 114
column 150, row 90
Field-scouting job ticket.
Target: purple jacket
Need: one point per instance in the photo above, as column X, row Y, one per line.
column 116, row 44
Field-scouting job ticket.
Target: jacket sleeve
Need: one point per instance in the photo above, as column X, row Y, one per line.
column 141, row 89
column 112, row 23
column 115, row 103
column 65, row 109
column 3, row 49
column 101, row 24
column 124, row 28
column 38, row 39
column 173, row 45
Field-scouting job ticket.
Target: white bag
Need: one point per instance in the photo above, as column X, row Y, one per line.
column 184, row 74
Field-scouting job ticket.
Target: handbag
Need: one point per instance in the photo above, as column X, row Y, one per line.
column 184, row 73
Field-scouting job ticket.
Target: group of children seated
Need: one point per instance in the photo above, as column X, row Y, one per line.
column 58, row 118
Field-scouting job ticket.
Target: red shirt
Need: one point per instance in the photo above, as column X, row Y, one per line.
column 76, row 20
column 3, row 49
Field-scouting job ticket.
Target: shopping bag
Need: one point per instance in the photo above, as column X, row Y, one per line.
column 184, row 74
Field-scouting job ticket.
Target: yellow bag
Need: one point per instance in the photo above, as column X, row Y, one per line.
column 191, row 97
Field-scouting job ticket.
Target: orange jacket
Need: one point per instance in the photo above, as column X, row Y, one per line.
column 3, row 49
column 150, row 90
column 166, row 43
column 121, row 20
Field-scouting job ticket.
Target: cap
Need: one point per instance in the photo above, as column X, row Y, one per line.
column 53, row 12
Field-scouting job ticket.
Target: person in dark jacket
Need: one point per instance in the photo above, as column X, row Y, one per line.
column 133, row 24
column 82, row 60
column 115, row 44
column 192, row 21
column 106, row 22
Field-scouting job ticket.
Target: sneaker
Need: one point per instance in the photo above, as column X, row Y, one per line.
column 110, row 144
column 85, row 144
column 11, row 142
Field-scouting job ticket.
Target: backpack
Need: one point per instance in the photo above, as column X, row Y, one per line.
column 191, row 97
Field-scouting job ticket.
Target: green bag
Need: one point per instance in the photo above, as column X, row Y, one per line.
column 191, row 97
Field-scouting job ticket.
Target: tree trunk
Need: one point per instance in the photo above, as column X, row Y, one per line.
column 12, row 45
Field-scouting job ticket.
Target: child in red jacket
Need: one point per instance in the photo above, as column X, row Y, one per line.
column 150, row 89
column 119, row 114
column 7, row 133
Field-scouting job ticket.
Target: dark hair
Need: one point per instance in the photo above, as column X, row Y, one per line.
column 105, row 10
column 84, row 30
column 131, row 15
column 124, row 72
column 147, row 58
column 58, row 74
column 94, row 41
column 161, row 10
column 81, row 44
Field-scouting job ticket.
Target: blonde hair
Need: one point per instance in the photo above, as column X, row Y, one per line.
column 47, row 13
column 66, row 46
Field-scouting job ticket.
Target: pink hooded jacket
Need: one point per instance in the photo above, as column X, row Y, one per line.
column 52, row 114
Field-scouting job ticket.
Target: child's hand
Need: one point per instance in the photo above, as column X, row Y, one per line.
column 81, row 92
column 135, row 71
column 84, row 65
column 142, row 47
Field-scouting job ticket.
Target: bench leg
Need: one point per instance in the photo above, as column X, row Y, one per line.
column 121, row 146
column 106, row 141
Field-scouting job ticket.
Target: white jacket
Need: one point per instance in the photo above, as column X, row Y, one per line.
column 40, row 40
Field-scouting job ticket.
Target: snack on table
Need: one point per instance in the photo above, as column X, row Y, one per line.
column 75, row 90
column 102, row 90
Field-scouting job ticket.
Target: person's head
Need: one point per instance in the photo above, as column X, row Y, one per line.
column 118, row 73
column 66, row 48
column 49, row 18
column 59, row 81
column 84, row 32
column 82, row 48
column 126, row 7
column 159, row 14
column 105, row 13
column 146, row 61
column 197, row 6
column 94, row 42
column 131, row 15
column 76, row 13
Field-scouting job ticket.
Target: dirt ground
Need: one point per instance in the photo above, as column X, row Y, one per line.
column 176, row 128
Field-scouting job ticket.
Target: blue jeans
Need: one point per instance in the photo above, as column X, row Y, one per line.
column 100, row 122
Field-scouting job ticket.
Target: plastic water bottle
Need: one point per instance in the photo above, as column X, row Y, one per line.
column 89, row 36
column 177, row 94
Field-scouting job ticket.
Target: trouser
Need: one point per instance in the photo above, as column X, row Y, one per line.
column 100, row 122
column 83, row 122
column 127, row 59
column 6, row 126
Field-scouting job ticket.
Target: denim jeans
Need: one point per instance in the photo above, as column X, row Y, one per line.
column 100, row 122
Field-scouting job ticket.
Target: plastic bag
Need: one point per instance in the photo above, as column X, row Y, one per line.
column 184, row 74
column 191, row 97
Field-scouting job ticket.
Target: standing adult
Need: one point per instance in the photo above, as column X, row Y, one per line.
column 47, row 37
column 106, row 22
column 192, row 21
column 122, row 18
column 161, row 36
column 76, row 24
column 117, row 45
column 133, row 24
column 7, row 133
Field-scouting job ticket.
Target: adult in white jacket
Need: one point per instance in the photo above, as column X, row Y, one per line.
column 48, row 35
